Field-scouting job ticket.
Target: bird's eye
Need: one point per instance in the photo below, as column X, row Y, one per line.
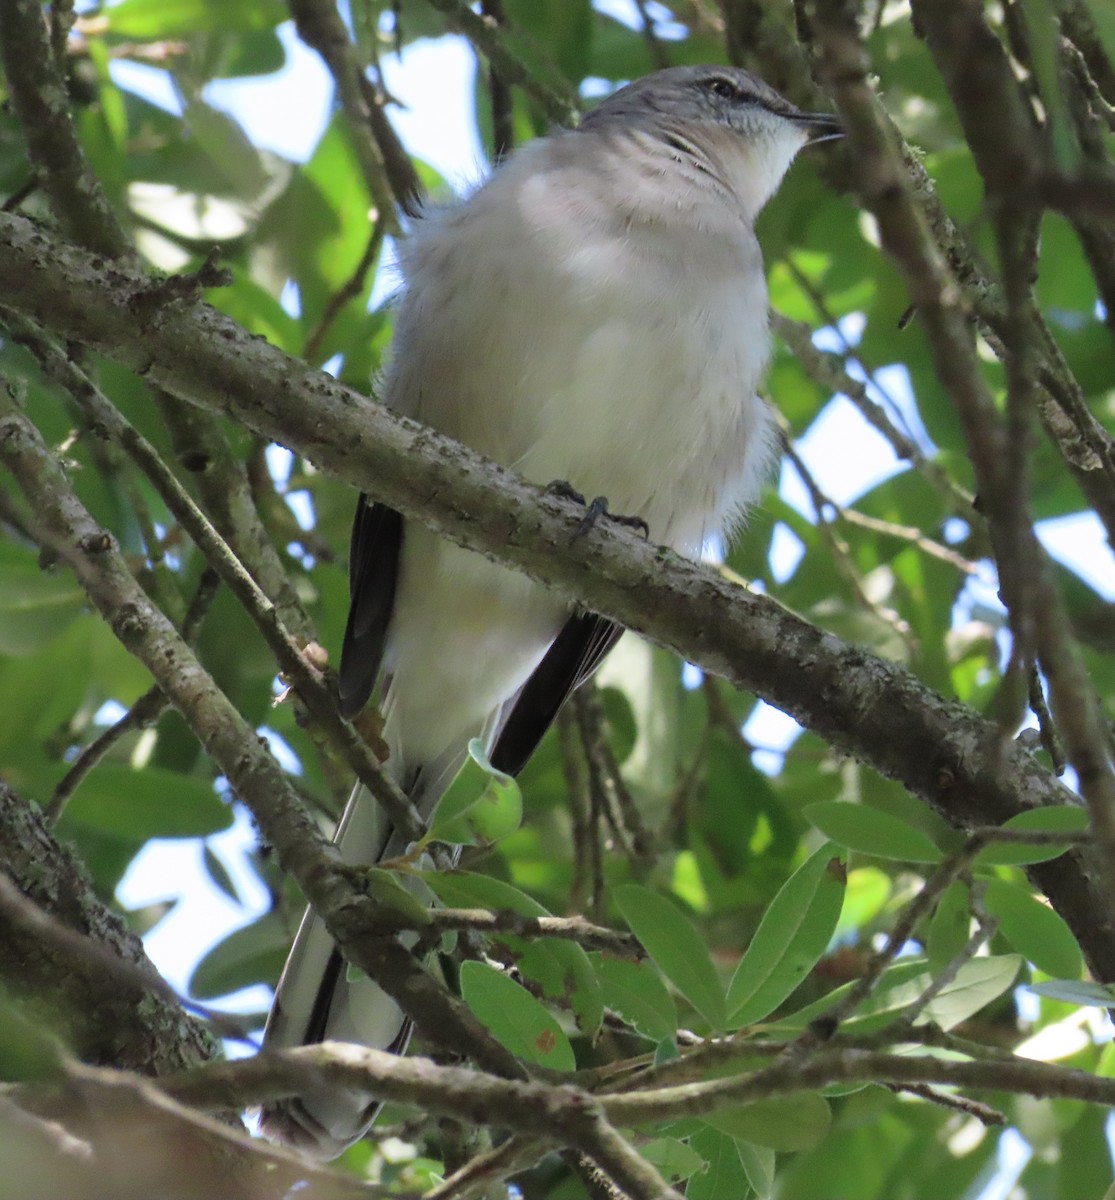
column 724, row 88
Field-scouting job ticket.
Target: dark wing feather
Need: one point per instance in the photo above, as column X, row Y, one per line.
column 577, row 651
column 373, row 573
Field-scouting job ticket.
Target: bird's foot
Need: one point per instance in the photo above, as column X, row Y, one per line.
column 594, row 510
column 564, row 490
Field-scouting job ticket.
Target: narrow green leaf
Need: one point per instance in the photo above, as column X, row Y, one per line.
column 871, row 831
column 793, row 934
column 977, row 983
column 480, row 806
column 250, row 955
column 1077, row 991
column 515, row 1018
column 949, row 928
column 666, row 1051
column 388, row 889
column 465, row 889
column 1045, row 36
column 218, row 873
column 1034, row 929
column 635, row 990
column 722, row 1176
column 793, row 1122
column 1103, row 14
column 675, row 947
column 1058, row 818
column 758, row 1164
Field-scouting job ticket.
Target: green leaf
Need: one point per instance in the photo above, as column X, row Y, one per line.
column 35, row 605
column 871, row 831
column 758, row 1163
column 480, row 806
column 1077, row 991
column 515, row 1018
column 218, row 873
column 1045, row 36
column 561, row 967
column 674, row 1159
column 635, row 990
column 793, row 1122
column 666, row 1051
column 250, row 955
column 977, row 983
column 1058, row 818
column 464, row 889
column 148, row 20
column 221, row 137
column 139, row 804
column 1034, row 929
column 722, row 1177
column 387, row 889
column 675, row 947
column 949, row 929
column 793, row 934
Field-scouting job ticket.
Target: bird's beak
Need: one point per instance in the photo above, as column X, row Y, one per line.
column 821, row 127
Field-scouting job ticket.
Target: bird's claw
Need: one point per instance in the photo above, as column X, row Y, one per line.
column 594, row 510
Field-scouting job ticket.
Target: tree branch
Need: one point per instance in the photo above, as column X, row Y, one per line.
column 865, row 707
column 107, row 1019
column 61, row 522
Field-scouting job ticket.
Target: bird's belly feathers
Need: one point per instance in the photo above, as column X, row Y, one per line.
column 653, row 406
column 596, row 361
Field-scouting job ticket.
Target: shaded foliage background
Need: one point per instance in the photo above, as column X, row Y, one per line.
column 649, row 779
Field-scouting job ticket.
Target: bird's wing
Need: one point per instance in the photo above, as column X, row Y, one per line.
column 577, row 651
column 373, row 573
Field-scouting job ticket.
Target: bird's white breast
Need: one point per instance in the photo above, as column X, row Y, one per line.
column 593, row 345
column 552, row 326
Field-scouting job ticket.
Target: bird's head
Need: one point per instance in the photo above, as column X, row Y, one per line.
column 732, row 124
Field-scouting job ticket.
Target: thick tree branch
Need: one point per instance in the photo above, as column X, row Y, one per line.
column 42, row 106
column 871, row 709
column 559, row 1113
column 105, row 1018
column 145, row 1143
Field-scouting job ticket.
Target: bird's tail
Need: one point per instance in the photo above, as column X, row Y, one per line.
column 318, row 998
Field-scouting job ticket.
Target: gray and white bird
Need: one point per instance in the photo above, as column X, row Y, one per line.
column 595, row 313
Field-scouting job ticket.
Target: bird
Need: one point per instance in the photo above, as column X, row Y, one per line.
column 594, row 313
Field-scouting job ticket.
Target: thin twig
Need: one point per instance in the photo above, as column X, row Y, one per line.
column 349, row 290
column 502, row 98
column 623, row 814
column 320, row 26
column 555, row 98
column 983, row 1113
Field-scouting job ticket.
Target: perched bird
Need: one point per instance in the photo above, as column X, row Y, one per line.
column 595, row 313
